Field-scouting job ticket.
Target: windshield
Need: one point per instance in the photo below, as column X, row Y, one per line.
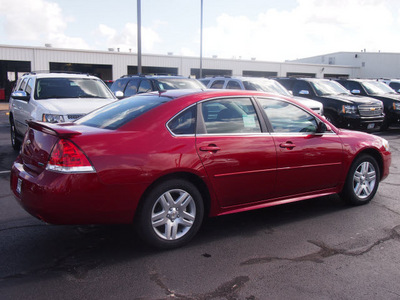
column 71, row 88
column 376, row 87
column 178, row 83
column 266, row 85
column 118, row 113
column 327, row 87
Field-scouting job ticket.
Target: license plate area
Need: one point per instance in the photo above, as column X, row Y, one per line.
column 19, row 185
column 371, row 126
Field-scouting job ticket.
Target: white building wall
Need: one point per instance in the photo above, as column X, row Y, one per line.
column 40, row 58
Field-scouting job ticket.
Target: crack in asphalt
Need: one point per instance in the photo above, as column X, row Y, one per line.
column 23, row 226
column 326, row 251
column 228, row 290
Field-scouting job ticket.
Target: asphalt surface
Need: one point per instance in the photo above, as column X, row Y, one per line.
column 316, row 249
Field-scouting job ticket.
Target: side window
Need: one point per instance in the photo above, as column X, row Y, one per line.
column 299, row 87
column 230, row 116
column 184, row 123
column 29, row 86
column 217, row 84
column 233, row 85
column 286, row 117
column 354, row 86
column 131, row 88
column 23, row 84
column 145, row 86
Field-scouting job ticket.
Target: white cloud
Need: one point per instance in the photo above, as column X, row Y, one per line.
column 126, row 38
column 313, row 27
column 40, row 21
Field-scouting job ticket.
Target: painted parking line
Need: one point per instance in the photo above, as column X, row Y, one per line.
column 5, row 172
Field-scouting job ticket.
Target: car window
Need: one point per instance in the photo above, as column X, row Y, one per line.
column 204, row 81
column 217, row 84
column 71, row 88
column 233, row 85
column 119, row 85
column 230, row 116
column 118, row 113
column 301, row 86
column 177, row 83
column 395, row 86
column 286, row 117
column 131, row 88
column 352, row 85
column 145, row 86
column 29, row 87
column 184, row 123
column 23, row 84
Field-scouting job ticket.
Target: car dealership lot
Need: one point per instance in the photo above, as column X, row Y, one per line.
column 308, row 250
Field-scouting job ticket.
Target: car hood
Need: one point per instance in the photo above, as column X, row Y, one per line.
column 308, row 102
column 353, row 99
column 395, row 97
column 73, row 105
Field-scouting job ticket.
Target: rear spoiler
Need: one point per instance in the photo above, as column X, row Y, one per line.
column 56, row 129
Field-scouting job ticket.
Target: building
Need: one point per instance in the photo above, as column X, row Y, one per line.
column 366, row 64
column 112, row 64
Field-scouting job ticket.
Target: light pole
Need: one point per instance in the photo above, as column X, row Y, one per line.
column 139, row 38
column 201, row 40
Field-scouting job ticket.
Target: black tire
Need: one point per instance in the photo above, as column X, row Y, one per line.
column 15, row 141
column 385, row 124
column 166, row 223
column 362, row 181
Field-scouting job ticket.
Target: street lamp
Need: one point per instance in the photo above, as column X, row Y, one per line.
column 201, row 40
column 139, row 38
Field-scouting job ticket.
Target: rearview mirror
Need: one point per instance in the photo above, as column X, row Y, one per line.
column 304, row 92
column 323, row 127
column 356, row 92
column 119, row 94
column 20, row 95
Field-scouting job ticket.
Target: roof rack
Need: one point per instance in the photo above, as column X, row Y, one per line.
column 57, row 72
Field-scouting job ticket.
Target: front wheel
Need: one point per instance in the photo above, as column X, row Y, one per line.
column 362, row 181
column 171, row 214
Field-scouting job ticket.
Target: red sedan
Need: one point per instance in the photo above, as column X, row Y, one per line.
column 165, row 160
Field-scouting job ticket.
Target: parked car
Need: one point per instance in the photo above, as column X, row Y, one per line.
column 165, row 160
column 380, row 91
column 54, row 97
column 393, row 83
column 109, row 83
column 341, row 108
column 130, row 85
column 257, row 84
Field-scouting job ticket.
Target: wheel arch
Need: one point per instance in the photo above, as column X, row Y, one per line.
column 375, row 154
column 187, row 176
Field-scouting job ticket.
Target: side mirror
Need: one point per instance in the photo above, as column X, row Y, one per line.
column 323, row 127
column 398, row 90
column 119, row 94
column 20, row 95
column 304, row 92
column 356, row 92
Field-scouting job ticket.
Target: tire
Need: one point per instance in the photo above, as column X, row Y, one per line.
column 15, row 142
column 385, row 125
column 171, row 214
column 362, row 181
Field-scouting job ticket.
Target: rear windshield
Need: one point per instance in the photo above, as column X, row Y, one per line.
column 118, row 113
column 177, row 83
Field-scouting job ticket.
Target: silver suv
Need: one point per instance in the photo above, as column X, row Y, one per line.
column 258, row 84
column 54, row 97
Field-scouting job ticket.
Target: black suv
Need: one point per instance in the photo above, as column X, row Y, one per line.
column 130, row 85
column 341, row 108
column 377, row 90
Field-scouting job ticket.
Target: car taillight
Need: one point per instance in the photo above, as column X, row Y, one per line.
column 66, row 157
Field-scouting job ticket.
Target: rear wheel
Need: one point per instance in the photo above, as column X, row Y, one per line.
column 171, row 214
column 362, row 181
column 15, row 142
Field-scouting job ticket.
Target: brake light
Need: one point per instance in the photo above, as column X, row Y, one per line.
column 66, row 157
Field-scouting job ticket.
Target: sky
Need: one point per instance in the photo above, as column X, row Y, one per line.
column 266, row 30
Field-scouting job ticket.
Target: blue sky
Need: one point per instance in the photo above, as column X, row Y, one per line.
column 267, row 30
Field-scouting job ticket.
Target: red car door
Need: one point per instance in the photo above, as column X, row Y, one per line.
column 306, row 160
column 240, row 161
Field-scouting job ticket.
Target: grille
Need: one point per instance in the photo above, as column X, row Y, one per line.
column 370, row 110
column 74, row 117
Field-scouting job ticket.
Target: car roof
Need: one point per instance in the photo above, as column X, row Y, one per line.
column 60, row 75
